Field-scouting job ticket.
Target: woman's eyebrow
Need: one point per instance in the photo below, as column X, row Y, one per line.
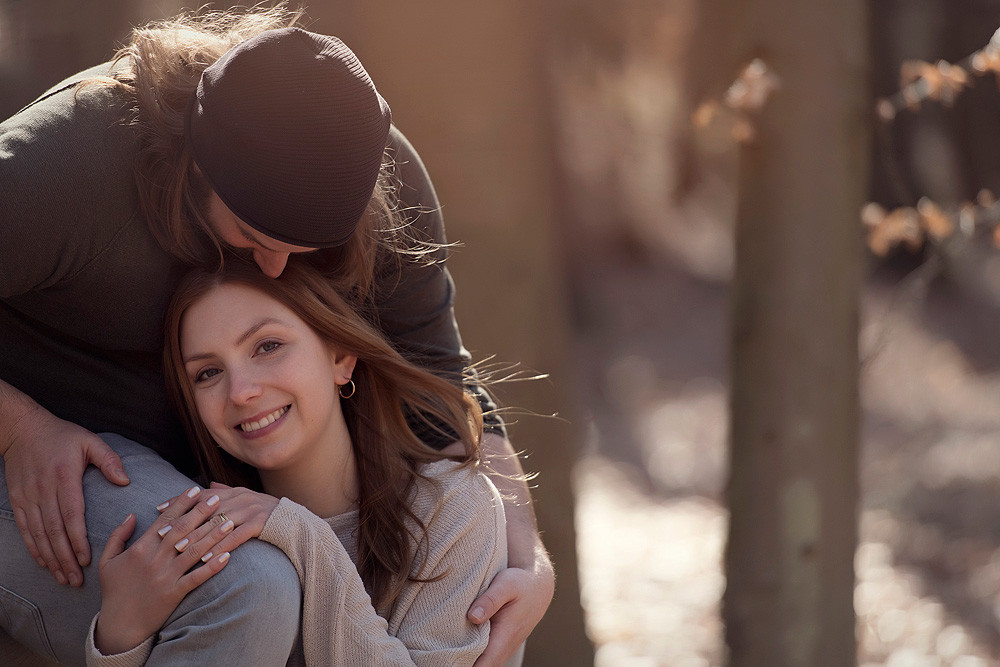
column 243, row 337
column 257, row 327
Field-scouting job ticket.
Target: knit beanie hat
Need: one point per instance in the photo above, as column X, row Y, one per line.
column 289, row 131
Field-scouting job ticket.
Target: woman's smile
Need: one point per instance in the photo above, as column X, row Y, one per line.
column 258, row 427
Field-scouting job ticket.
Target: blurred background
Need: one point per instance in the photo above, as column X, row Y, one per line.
column 596, row 227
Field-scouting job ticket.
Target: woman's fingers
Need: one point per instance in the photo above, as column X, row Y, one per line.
column 116, row 541
column 212, row 508
column 174, row 520
column 208, row 546
column 223, row 539
column 196, row 577
column 170, row 501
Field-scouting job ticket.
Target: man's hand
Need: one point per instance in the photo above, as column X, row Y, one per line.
column 45, row 460
column 518, row 596
column 514, row 603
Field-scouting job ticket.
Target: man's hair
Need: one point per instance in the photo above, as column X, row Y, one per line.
column 391, row 394
column 158, row 71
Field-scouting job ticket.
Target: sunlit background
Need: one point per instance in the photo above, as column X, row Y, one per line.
column 596, row 227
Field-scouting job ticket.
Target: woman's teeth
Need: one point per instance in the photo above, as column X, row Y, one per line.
column 266, row 421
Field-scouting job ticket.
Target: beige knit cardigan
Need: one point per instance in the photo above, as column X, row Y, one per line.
column 466, row 542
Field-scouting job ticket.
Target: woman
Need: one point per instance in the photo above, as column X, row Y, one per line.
column 284, row 389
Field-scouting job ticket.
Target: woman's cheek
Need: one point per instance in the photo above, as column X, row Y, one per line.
column 211, row 411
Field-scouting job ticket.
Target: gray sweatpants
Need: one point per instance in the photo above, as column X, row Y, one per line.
column 248, row 614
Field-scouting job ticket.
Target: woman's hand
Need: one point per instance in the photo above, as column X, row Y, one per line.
column 45, row 459
column 248, row 510
column 142, row 585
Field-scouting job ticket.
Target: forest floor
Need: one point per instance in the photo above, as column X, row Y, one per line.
column 650, row 518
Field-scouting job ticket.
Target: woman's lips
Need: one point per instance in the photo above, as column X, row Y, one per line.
column 261, row 426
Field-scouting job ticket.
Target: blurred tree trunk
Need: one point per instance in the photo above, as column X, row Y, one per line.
column 793, row 490
column 466, row 85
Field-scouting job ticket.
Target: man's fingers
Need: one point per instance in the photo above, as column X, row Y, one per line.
column 22, row 527
column 105, row 458
column 36, row 527
column 490, row 602
column 55, row 530
column 504, row 642
column 116, row 541
column 514, row 602
column 69, row 496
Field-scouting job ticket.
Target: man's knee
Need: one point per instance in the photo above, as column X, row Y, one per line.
column 269, row 581
column 258, row 589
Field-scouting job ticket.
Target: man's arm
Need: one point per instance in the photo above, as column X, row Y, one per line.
column 519, row 596
column 45, row 458
column 418, row 316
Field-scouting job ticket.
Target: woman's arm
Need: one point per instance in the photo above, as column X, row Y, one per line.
column 428, row 625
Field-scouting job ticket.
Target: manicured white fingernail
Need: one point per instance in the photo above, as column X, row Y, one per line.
column 228, row 526
column 180, row 545
column 207, row 557
column 213, row 501
column 163, row 531
column 224, row 557
column 164, row 505
column 193, row 491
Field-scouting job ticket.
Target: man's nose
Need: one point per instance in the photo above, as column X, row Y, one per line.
column 271, row 263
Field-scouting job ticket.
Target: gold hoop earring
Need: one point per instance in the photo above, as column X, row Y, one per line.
column 350, row 391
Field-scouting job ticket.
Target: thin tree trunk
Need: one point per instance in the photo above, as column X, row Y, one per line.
column 793, row 491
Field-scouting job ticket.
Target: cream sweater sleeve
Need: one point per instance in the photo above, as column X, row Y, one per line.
column 135, row 657
column 428, row 625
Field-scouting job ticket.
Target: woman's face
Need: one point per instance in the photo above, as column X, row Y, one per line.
column 264, row 383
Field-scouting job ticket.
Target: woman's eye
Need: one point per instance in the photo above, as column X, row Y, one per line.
column 207, row 374
column 269, row 346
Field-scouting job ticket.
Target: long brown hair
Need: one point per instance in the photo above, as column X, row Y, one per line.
column 158, row 71
column 391, row 394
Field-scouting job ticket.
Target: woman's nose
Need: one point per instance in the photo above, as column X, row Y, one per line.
column 243, row 388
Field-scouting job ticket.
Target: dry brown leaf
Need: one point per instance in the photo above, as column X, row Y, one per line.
column 743, row 130
column 705, row 114
column 938, row 224
column 872, row 214
column 885, row 110
column 754, row 85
